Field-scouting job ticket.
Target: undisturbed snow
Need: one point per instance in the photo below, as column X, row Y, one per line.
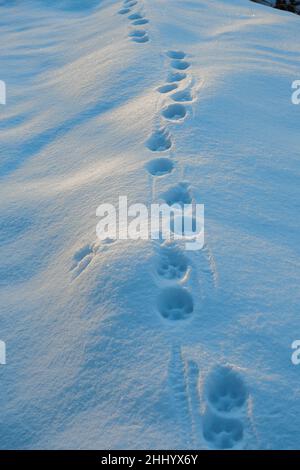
column 91, row 360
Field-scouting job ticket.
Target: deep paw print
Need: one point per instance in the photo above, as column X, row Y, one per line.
column 138, row 19
column 176, row 77
column 225, row 390
column 124, row 11
column 137, row 33
column 167, row 88
column 160, row 166
column 178, row 194
column 135, row 16
column 159, row 141
column 180, row 64
column 182, row 96
column 139, row 36
column 140, row 22
column 175, row 304
column 176, row 55
column 130, row 3
column 174, row 112
column 172, row 264
column 220, row 432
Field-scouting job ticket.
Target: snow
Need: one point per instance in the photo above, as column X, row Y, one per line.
column 96, row 357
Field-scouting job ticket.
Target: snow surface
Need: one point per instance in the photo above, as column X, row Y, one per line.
column 94, row 359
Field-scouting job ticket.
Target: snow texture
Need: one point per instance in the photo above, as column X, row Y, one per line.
column 135, row 344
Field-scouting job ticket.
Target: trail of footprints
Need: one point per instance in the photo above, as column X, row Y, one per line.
column 137, row 20
column 225, row 394
column 176, row 111
column 221, row 420
column 175, row 302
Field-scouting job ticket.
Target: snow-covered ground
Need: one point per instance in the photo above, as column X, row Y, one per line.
column 91, row 360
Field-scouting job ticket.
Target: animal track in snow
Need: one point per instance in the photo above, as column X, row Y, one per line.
column 131, row 3
column 225, row 390
column 226, row 394
column 172, row 264
column 222, row 433
column 141, row 39
column 82, row 258
column 138, row 33
column 174, row 112
column 160, row 166
column 179, row 194
column 176, row 54
column 175, row 303
column 135, row 16
column 182, row 95
column 159, row 141
column 123, row 11
column 167, row 88
column 176, row 77
column 140, row 21
column 180, row 64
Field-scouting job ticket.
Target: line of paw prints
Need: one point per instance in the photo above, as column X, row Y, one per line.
column 223, row 420
column 221, row 424
column 172, row 269
column 137, row 20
